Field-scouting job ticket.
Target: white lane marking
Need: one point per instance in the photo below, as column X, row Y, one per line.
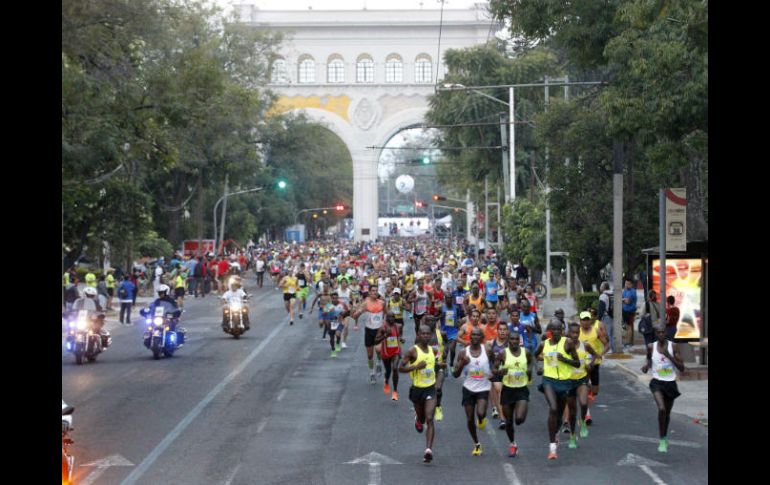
column 280, row 395
column 645, row 439
column 232, row 475
column 652, row 474
column 510, row 473
column 262, row 425
column 375, row 474
column 174, row 434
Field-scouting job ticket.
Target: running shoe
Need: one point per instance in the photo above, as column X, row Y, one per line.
column 573, row 441
column 378, row 369
column 372, row 379
column 291, row 322
column 334, row 354
column 344, row 345
column 417, row 425
column 583, row 430
column 476, row 449
column 551, row 455
column 565, row 428
column 386, row 388
column 591, row 396
column 394, row 397
column 495, row 413
column 512, row 450
column 663, row 446
column 428, row 456
column 300, row 316
column 482, row 423
column 502, row 424
column 338, row 348
column 589, row 421
column 439, row 414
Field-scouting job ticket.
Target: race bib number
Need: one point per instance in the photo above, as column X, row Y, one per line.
column 376, row 319
column 334, row 324
column 552, row 359
column 302, row 283
column 477, row 374
column 391, row 342
column 459, row 300
column 291, row 289
column 666, row 370
column 515, row 378
column 421, row 308
column 450, row 319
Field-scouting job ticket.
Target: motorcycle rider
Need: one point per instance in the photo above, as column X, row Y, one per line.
column 169, row 305
column 235, row 294
column 90, row 303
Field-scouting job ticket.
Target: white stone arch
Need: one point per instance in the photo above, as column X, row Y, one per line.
column 408, row 118
column 331, row 121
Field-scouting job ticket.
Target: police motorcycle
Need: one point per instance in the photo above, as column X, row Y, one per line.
column 162, row 335
column 83, row 338
column 235, row 314
column 67, row 460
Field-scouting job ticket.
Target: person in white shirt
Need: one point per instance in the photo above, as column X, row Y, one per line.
column 235, row 295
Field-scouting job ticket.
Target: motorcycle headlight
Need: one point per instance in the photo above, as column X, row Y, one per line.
column 72, row 324
column 235, row 307
column 158, row 321
column 82, row 325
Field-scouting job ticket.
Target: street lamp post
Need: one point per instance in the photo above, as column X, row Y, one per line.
column 224, row 215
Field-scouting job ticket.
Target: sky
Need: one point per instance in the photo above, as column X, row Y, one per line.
column 351, row 4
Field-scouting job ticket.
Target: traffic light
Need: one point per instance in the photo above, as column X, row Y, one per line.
column 326, row 211
column 425, row 160
column 339, row 207
column 419, row 203
column 315, row 216
column 438, row 197
column 281, row 184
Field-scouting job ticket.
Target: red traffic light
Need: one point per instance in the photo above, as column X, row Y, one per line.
column 418, row 203
column 339, row 207
column 438, row 197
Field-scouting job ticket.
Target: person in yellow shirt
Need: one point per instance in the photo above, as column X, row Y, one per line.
column 179, row 287
column 289, row 284
column 110, row 282
column 514, row 365
column 420, row 363
column 90, row 279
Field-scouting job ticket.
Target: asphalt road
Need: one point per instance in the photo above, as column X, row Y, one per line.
column 274, row 408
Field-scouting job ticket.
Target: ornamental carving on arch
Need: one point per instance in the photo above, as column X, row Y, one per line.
column 365, row 114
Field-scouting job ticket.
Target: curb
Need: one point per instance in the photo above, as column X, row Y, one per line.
column 640, row 377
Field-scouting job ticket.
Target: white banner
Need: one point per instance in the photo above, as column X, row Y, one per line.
column 676, row 219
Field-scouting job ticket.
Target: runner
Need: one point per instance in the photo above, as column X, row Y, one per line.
column 374, row 307
column 476, row 386
column 289, row 285
column 495, row 347
column 556, row 382
column 421, row 300
column 396, row 309
column 584, row 353
column 531, row 324
column 420, row 362
column 464, row 334
column 324, row 299
column 596, row 336
column 449, row 320
column 336, row 316
column 260, row 270
column 437, row 340
column 664, row 359
column 390, row 352
column 345, row 295
column 474, row 299
column 303, row 280
column 514, row 365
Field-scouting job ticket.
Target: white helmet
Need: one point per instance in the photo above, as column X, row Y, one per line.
column 163, row 289
column 90, row 291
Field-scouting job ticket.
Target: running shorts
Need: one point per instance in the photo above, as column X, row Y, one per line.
column 511, row 395
column 470, row 397
column 421, row 394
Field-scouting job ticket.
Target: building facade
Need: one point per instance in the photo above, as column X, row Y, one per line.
column 365, row 75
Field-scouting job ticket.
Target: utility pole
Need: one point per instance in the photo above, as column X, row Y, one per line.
column 662, row 247
column 504, row 140
column 617, row 246
column 486, row 215
column 224, row 213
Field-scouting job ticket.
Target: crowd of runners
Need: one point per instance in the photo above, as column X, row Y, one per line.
column 473, row 317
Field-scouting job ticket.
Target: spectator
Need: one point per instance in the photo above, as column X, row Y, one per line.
column 101, row 290
column 71, row 293
column 629, row 312
column 651, row 308
column 91, row 279
column 110, row 282
column 127, row 296
column 672, row 317
column 605, row 312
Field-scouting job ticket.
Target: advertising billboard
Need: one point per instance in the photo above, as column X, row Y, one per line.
column 684, row 278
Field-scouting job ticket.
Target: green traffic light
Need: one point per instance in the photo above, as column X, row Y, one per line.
column 281, row 184
column 425, row 160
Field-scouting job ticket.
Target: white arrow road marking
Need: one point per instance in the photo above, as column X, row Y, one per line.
column 102, row 466
column 174, row 434
column 633, row 437
column 644, row 464
column 374, row 460
column 652, row 475
column 636, row 460
column 281, row 394
column 232, row 475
